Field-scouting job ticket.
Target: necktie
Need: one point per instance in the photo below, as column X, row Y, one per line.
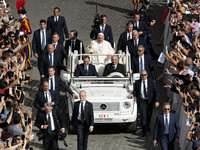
column 129, row 36
column 49, row 124
column 136, row 43
column 50, row 60
column 145, row 92
column 54, row 45
column 46, row 97
column 73, row 45
column 82, row 112
column 114, row 66
column 52, row 84
column 56, row 19
column 86, row 70
column 141, row 64
column 43, row 40
column 166, row 125
column 102, row 29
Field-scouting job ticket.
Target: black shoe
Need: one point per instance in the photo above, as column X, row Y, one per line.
column 148, row 129
column 144, row 135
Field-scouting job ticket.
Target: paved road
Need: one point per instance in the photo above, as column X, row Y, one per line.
column 79, row 15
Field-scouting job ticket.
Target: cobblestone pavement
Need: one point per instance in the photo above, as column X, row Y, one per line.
column 79, row 15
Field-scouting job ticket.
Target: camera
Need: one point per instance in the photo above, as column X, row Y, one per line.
column 61, row 136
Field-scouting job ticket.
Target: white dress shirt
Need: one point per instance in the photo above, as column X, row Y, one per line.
column 129, row 33
column 79, row 112
column 164, row 117
column 136, row 24
column 102, row 26
column 42, row 37
column 52, row 57
column 55, row 44
column 73, row 42
column 55, row 18
column 52, row 121
column 136, row 41
column 142, row 63
column 48, row 96
column 115, row 66
column 53, row 79
column 142, row 88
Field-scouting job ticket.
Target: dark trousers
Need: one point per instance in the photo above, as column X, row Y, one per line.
column 82, row 135
column 145, row 113
column 149, row 44
column 166, row 144
column 50, row 142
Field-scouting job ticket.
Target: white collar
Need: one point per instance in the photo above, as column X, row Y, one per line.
column 23, row 16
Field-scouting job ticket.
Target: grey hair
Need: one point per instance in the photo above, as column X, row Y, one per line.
column 142, row 47
column 166, row 103
column 134, row 31
column 47, row 104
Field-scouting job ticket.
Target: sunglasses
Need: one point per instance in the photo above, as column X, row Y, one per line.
column 12, row 36
column 143, row 74
column 139, row 50
column 166, row 108
column 18, row 139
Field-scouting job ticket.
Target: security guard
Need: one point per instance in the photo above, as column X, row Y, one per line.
column 144, row 16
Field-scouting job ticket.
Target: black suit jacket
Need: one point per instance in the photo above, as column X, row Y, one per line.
column 133, row 48
column 40, row 99
column 148, row 65
column 36, row 42
column 80, row 71
column 58, row 27
column 109, row 69
column 160, row 127
column 60, row 51
column 88, row 114
column 41, row 119
column 153, row 95
column 108, row 35
column 44, row 64
column 77, row 46
column 122, row 42
column 142, row 27
column 59, row 83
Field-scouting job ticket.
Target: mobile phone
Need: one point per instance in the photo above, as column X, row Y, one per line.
column 23, row 137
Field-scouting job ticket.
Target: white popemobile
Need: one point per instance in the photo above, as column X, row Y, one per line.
column 107, row 94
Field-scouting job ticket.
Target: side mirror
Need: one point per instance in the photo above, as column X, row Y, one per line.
column 66, row 77
column 136, row 76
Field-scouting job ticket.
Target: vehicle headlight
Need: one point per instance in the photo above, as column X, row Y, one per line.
column 126, row 105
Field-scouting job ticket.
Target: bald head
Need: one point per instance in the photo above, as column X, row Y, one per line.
column 50, row 48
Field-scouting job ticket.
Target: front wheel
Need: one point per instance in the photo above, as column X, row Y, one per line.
column 132, row 127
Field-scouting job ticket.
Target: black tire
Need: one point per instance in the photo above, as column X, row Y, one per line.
column 132, row 128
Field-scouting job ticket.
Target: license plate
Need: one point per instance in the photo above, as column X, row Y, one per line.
column 110, row 115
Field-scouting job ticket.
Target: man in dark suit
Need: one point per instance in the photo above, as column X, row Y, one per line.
column 125, row 36
column 50, row 59
column 50, row 123
column 56, row 83
column 57, row 24
column 140, row 26
column 135, row 42
column 86, row 69
column 45, row 96
column 146, row 92
column 59, row 48
column 41, row 38
column 82, row 120
column 103, row 28
column 74, row 43
column 143, row 62
column 166, row 123
column 114, row 67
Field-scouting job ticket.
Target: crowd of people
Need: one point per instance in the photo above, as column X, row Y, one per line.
column 183, row 61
